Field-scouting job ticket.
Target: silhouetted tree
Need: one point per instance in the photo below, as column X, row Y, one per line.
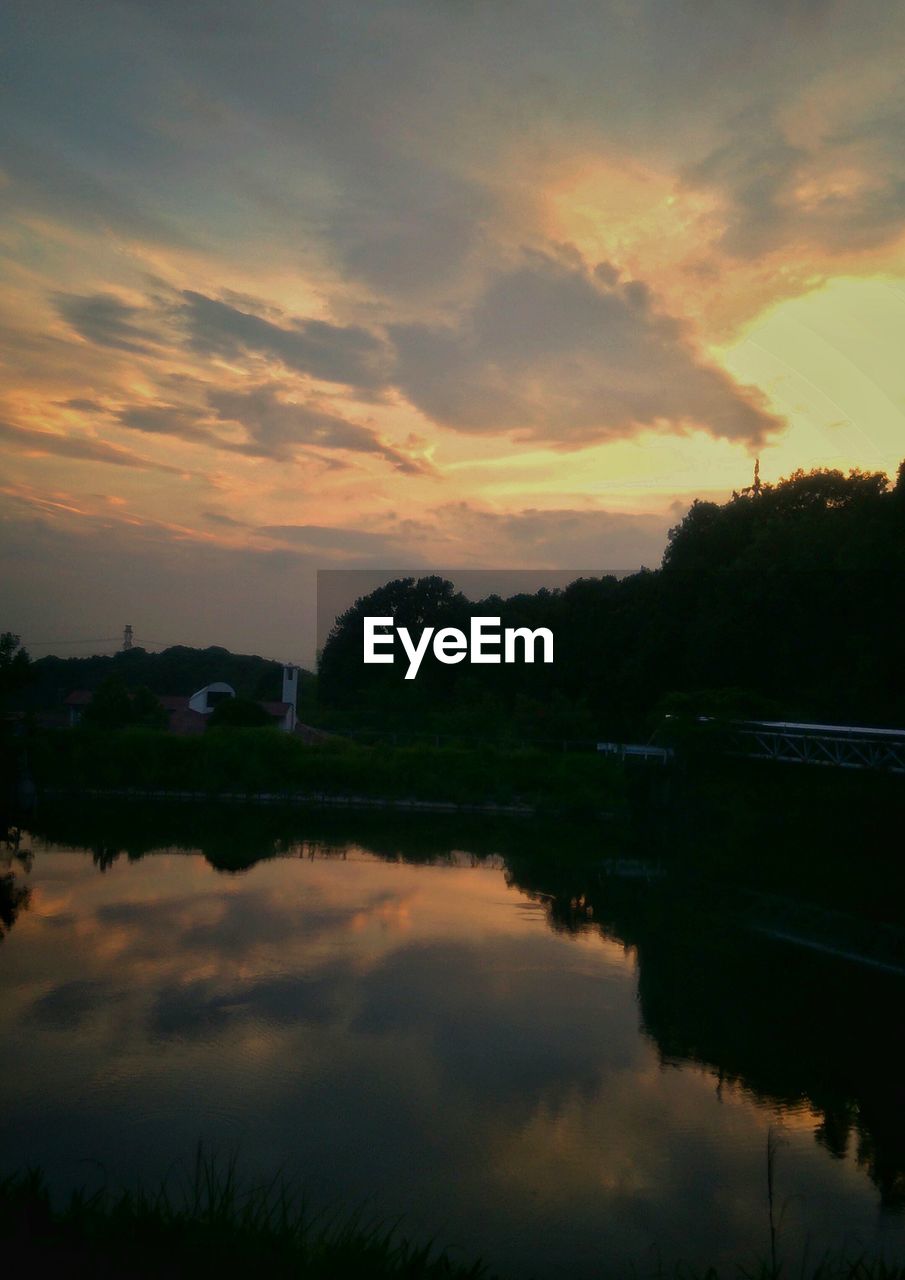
column 15, row 666
column 115, row 707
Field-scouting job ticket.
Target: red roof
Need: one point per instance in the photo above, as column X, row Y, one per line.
column 79, row 698
column 182, row 718
column 275, row 708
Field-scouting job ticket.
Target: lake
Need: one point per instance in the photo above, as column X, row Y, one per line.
column 516, row 1041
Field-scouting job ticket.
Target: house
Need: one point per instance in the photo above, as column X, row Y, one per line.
column 189, row 715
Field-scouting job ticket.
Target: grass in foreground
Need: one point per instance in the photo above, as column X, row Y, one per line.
column 212, row 1227
column 215, row 1227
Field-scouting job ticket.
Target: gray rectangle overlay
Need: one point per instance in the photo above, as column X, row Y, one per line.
column 339, row 589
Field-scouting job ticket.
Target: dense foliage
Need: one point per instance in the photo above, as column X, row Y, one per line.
column 786, row 600
column 178, row 670
column 15, row 668
column 244, row 761
column 115, row 706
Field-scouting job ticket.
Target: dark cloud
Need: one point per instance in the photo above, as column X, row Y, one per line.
column 47, row 175
column 399, row 143
column 351, row 355
column 27, row 439
column 228, row 522
column 166, row 419
column 83, row 406
column 549, row 350
column 844, row 191
column 421, row 230
column 66, row 1007
column 199, row 1009
column 569, row 357
column 105, row 320
column 275, row 426
column 533, row 1021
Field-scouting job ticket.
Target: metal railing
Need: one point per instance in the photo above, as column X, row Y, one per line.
column 838, row 746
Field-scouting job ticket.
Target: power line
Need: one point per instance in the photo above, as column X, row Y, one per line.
column 43, row 644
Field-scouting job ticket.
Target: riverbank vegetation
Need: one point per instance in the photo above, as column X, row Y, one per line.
column 251, row 761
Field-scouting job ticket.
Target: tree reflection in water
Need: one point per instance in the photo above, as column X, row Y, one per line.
column 793, row 1027
column 14, row 896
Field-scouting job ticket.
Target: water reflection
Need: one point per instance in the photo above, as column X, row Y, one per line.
column 793, row 1028
column 531, row 1056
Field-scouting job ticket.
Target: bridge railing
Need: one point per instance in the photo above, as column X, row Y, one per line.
column 838, row 746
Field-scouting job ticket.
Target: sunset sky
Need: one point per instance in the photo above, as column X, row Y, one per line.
column 475, row 283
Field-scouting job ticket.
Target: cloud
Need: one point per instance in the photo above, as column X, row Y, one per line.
column 585, row 539
column 567, row 538
column 351, row 355
column 534, row 1025
column 779, row 194
column 458, row 534
column 227, row 522
column 469, row 112
column 48, row 178
column 359, row 542
column 275, row 426
column 548, row 349
column 105, row 320
column 167, row 419
column 83, row 405
column 67, row 1006
column 29, row 440
column 199, row 1008
column 567, row 356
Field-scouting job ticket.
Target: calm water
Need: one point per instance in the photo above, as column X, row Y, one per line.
column 549, row 1071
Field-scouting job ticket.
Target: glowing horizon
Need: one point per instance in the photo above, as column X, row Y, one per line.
column 324, row 286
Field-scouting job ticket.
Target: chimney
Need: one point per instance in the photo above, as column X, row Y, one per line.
column 291, row 687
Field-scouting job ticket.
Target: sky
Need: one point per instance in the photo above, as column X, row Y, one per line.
column 474, row 283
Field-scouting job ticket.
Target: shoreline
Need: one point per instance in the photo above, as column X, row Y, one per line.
column 315, row 799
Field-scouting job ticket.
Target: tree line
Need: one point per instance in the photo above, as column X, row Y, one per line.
column 787, row 600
